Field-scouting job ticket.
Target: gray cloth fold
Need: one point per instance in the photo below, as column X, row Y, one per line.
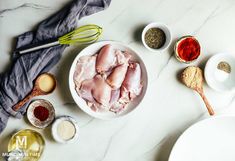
column 18, row 82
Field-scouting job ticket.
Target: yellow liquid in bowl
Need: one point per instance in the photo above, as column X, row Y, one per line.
column 30, row 142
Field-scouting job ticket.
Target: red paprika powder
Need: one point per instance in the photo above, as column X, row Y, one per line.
column 41, row 113
column 188, row 49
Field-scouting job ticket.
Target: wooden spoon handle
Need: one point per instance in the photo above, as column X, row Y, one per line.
column 25, row 100
column 208, row 106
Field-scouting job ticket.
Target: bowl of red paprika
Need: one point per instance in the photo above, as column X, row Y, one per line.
column 40, row 113
column 187, row 49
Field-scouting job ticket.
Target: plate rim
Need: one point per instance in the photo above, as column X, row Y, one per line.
column 192, row 126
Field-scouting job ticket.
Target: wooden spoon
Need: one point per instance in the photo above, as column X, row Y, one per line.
column 44, row 84
column 192, row 77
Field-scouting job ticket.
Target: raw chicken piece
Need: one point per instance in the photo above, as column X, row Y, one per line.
column 116, row 78
column 85, row 90
column 115, row 95
column 132, row 85
column 95, row 91
column 122, row 57
column 101, row 91
column 130, row 88
column 106, row 59
column 115, row 105
column 86, row 93
column 84, row 64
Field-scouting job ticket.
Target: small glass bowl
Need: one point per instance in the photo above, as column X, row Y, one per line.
column 177, row 54
column 28, row 144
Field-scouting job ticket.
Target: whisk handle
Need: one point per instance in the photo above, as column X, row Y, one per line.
column 38, row 47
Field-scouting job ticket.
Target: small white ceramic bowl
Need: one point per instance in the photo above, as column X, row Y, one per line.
column 55, row 127
column 211, row 73
column 164, row 28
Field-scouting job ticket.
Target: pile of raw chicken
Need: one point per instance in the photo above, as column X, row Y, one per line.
column 108, row 80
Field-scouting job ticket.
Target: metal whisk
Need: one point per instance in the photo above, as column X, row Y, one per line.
column 83, row 35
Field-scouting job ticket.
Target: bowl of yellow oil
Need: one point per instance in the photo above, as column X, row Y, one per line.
column 26, row 144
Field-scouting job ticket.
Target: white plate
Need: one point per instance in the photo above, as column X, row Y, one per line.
column 212, row 73
column 212, row 139
column 92, row 49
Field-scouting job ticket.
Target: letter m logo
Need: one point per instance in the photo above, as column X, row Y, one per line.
column 21, row 142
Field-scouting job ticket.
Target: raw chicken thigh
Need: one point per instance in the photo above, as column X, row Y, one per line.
column 85, row 63
column 116, row 78
column 122, row 57
column 109, row 80
column 86, row 89
column 130, row 89
column 132, row 85
column 106, row 59
column 115, row 104
column 96, row 90
column 101, row 91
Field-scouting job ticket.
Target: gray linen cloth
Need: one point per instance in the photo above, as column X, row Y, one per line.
column 18, row 82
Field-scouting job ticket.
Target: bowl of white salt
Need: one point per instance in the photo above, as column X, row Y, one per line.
column 65, row 129
column 220, row 72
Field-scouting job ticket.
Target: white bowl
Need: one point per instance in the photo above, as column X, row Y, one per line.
column 55, row 127
column 164, row 28
column 211, row 139
column 211, row 73
column 92, row 49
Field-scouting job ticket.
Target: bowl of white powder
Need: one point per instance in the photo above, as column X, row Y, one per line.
column 65, row 129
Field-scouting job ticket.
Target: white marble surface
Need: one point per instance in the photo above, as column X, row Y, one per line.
column 168, row 108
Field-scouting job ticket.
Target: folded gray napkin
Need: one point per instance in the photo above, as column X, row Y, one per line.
column 18, row 82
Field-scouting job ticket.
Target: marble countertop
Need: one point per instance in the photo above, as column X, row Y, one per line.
column 168, row 108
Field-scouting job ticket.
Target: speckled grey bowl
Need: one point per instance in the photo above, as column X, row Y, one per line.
column 35, row 121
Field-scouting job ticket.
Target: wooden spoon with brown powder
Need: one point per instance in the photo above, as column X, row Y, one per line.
column 192, row 77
